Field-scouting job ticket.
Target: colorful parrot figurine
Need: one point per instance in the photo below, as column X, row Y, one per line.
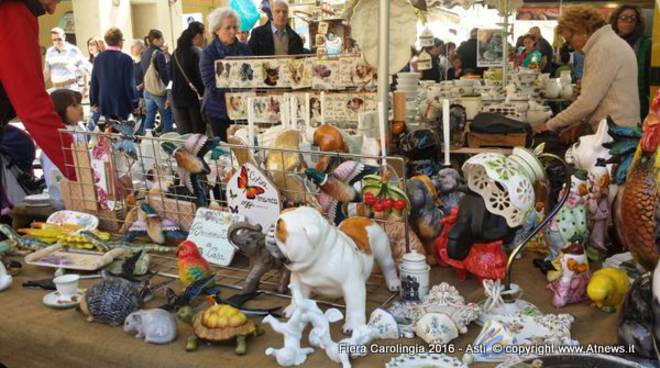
column 150, row 224
column 192, row 266
column 191, row 166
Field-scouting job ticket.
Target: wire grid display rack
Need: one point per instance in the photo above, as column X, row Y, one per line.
column 101, row 160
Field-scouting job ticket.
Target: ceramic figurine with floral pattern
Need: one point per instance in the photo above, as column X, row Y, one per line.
column 598, row 209
column 499, row 201
column 571, row 286
column 569, row 224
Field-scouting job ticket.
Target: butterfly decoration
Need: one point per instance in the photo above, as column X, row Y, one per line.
column 251, row 192
column 233, row 209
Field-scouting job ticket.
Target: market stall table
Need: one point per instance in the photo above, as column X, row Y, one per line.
column 33, row 335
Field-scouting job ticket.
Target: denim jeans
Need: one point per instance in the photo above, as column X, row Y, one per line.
column 153, row 104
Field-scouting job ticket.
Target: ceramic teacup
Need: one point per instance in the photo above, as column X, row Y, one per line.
column 67, row 286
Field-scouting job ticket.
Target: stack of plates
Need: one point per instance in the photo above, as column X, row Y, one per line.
column 37, row 200
column 409, row 83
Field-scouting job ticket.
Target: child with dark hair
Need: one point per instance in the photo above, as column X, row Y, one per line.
column 69, row 108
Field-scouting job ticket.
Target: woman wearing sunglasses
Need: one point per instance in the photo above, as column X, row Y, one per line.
column 609, row 83
column 628, row 22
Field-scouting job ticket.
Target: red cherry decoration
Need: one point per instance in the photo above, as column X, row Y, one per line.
column 369, row 199
column 399, row 204
column 378, row 206
column 388, row 203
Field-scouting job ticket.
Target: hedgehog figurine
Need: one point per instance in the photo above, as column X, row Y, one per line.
column 111, row 300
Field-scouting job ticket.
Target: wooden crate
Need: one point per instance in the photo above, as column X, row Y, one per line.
column 480, row 140
column 180, row 211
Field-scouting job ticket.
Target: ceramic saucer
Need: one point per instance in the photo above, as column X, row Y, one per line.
column 52, row 300
column 425, row 360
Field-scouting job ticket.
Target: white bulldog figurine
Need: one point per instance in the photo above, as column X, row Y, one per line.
column 334, row 261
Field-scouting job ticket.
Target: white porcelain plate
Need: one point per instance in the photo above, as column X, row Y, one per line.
column 425, row 361
column 85, row 220
column 53, row 300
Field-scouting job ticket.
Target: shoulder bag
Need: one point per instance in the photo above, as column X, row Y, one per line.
column 152, row 81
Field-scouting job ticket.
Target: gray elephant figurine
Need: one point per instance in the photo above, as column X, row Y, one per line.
column 251, row 241
column 156, row 326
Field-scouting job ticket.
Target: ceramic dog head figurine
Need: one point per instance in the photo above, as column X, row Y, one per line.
column 334, row 261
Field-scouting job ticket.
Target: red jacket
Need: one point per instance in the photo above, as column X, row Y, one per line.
column 21, row 76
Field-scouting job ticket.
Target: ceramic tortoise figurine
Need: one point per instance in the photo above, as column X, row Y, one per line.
column 222, row 323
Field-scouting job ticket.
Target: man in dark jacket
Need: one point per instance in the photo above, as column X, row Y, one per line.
column 276, row 37
column 113, row 81
column 546, row 49
column 468, row 52
column 23, row 81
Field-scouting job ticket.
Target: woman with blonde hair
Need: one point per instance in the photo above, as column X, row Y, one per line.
column 609, row 83
column 224, row 24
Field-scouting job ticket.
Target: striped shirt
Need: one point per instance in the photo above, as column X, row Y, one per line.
column 66, row 64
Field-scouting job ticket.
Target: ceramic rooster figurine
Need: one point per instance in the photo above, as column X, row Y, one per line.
column 191, row 166
column 640, row 201
column 150, row 224
column 192, row 266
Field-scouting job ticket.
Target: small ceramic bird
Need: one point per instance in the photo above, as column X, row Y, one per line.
column 191, row 166
column 192, row 266
column 607, row 288
column 126, row 143
column 149, row 223
column 5, row 278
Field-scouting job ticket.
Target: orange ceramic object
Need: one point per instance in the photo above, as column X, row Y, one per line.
column 328, row 139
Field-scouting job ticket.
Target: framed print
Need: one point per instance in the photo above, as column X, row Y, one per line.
column 222, row 73
column 325, row 74
column 363, row 76
column 490, row 49
column 300, row 72
column 236, row 103
column 247, row 75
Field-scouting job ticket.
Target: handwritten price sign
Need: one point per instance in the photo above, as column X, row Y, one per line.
column 209, row 232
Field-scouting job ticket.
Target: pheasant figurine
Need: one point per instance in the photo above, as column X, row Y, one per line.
column 191, row 166
column 338, row 187
column 150, row 224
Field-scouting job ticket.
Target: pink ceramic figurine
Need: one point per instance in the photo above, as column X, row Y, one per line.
column 598, row 208
column 571, row 286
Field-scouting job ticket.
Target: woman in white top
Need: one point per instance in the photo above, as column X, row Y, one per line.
column 609, row 83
